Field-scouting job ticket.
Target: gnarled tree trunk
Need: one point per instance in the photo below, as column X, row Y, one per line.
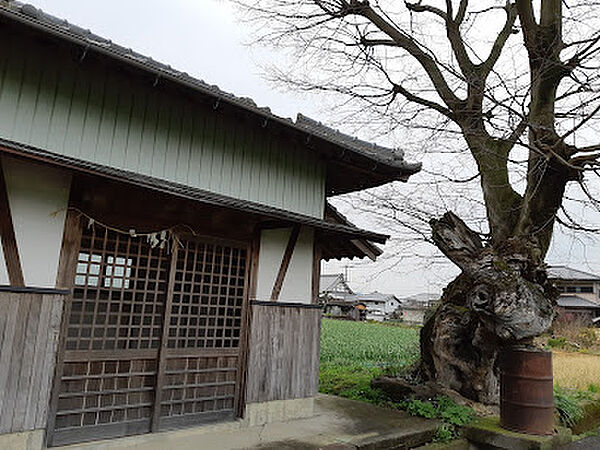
column 502, row 297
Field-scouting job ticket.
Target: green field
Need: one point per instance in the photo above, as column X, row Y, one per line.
column 352, row 353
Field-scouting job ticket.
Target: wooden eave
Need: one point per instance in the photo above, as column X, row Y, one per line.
column 267, row 214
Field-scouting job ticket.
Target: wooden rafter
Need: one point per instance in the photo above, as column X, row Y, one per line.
column 7, row 235
column 285, row 263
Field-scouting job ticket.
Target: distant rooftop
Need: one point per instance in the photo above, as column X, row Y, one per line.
column 567, row 273
column 329, row 281
column 375, row 296
column 422, row 297
column 574, row 301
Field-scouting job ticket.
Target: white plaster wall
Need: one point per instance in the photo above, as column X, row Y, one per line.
column 297, row 285
column 38, row 197
column 3, row 271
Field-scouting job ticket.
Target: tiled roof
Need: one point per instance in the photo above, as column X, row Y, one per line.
column 566, row 273
column 376, row 297
column 28, row 14
column 574, row 301
column 327, row 281
column 422, row 297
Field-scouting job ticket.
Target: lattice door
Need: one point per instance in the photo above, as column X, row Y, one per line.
column 205, row 324
column 129, row 301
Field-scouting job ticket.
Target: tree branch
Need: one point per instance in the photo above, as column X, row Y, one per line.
column 419, row 7
column 462, row 11
column 511, row 16
column 424, row 59
column 527, row 19
column 398, row 89
column 452, row 31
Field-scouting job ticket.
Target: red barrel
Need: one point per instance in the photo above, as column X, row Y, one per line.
column 526, row 394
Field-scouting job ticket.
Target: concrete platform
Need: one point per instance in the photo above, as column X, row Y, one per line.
column 485, row 434
column 337, row 424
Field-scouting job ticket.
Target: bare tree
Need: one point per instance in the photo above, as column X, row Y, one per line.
column 516, row 82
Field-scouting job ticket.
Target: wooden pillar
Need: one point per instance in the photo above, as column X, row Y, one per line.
column 316, row 272
column 7, row 236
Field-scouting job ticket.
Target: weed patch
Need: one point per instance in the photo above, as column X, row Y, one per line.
column 452, row 415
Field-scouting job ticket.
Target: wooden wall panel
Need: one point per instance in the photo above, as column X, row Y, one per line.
column 89, row 111
column 284, row 352
column 29, row 328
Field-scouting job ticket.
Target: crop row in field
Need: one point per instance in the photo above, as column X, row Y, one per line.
column 353, row 353
column 368, row 344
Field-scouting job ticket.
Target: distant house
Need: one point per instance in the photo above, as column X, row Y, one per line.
column 575, row 308
column 349, row 310
column 415, row 306
column 379, row 306
column 335, row 286
column 575, row 282
column 579, row 298
column 338, row 299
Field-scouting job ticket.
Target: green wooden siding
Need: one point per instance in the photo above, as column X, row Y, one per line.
column 51, row 101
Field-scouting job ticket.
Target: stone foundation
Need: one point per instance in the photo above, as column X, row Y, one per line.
column 278, row 411
column 25, row 440
column 187, row 438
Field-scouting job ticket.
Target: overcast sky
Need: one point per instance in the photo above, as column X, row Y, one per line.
column 203, row 38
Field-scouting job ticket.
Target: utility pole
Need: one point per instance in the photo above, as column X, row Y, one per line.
column 346, row 272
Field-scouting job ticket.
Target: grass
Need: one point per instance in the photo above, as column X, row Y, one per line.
column 353, row 353
column 576, row 370
column 568, row 406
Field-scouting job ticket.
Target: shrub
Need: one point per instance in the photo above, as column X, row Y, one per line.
column 587, row 338
column 573, row 334
column 422, row 409
column 560, row 342
column 445, row 433
column 451, row 413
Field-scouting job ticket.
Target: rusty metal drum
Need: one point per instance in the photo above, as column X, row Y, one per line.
column 526, row 394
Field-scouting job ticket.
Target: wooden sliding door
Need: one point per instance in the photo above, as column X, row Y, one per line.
column 151, row 336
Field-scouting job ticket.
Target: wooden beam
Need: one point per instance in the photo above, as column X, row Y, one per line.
column 253, row 267
column 285, row 263
column 7, row 235
column 69, row 250
column 365, row 249
column 316, row 272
